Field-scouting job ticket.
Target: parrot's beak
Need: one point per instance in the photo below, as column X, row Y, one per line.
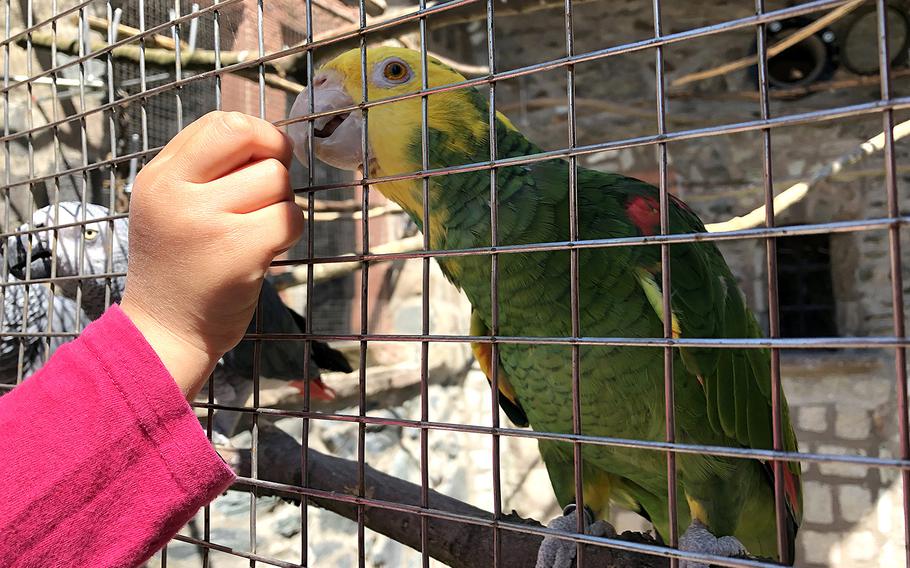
column 336, row 138
column 18, row 256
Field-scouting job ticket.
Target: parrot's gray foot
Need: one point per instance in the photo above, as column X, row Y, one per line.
column 698, row 538
column 558, row 553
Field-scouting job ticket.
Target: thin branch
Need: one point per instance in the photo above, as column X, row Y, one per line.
column 598, row 105
column 752, row 95
column 196, row 60
column 297, row 276
column 468, row 13
column 465, row 69
column 775, row 49
column 454, row 542
column 755, row 218
column 155, row 40
column 347, row 16
column 795, row 193
column 741, row 189
column 374, row 7
column 580, row 102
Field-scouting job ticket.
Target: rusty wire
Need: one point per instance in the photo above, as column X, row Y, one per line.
column 894, row 223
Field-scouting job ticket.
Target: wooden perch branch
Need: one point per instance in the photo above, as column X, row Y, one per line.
column 775, row 49
column 323, row 272
column 454, row 542
column 797, row 192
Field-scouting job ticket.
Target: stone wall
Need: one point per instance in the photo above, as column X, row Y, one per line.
column 842, row 402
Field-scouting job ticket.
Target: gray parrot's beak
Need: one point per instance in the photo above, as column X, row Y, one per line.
column 336, row 138
column 18, row 256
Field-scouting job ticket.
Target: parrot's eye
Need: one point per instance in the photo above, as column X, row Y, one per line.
column 396, row 71
column 90, row 234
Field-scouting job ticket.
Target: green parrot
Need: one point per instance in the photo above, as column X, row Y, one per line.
column 722, row 396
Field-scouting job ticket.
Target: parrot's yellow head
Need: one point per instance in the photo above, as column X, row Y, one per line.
column 394, row 128
column 457, row 119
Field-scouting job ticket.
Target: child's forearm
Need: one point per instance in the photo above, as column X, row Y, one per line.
column 102, row 458
column 188, row 365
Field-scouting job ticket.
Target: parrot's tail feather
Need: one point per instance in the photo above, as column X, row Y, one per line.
column 791, row 488
column 792, row 495
column 318, row 389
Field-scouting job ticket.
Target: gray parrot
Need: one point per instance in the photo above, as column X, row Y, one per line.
column 104, row 246
column 27, row 308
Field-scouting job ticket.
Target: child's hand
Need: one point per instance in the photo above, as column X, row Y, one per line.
column 207, row 215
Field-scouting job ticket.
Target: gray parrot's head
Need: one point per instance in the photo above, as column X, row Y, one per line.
column 78, row 248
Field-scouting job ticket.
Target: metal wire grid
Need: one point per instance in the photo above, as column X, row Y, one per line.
column 885, row 106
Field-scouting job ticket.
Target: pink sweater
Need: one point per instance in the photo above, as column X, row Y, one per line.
column 101, row 458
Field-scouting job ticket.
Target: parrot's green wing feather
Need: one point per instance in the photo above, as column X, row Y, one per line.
column 508, row 400
column 706, row 303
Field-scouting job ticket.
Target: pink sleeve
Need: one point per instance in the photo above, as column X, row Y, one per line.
column 101, row 458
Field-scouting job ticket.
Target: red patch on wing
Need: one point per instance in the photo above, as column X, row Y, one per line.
column 644, row 213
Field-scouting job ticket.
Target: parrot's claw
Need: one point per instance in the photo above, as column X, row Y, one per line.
column 559, row 553
column 698, row 538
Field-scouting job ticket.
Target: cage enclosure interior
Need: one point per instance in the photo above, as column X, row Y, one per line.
column 643, row 259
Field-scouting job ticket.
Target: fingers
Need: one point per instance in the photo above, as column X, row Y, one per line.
column 219, row 143
column 251, row 187
column 279, row 224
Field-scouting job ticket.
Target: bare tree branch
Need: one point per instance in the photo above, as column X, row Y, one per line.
column 598, row 105
column 502, row 8
column 196, row 60
column 374, row 7
column 349, row 15
column 455, row 542
column 775, row 49
column 465, row 69
column 101, row 25
column 753, row 95
column 795, row 193
column 476, row 10
column 786, row 199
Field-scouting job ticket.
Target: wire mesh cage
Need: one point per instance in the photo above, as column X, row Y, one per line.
column 382, row 423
